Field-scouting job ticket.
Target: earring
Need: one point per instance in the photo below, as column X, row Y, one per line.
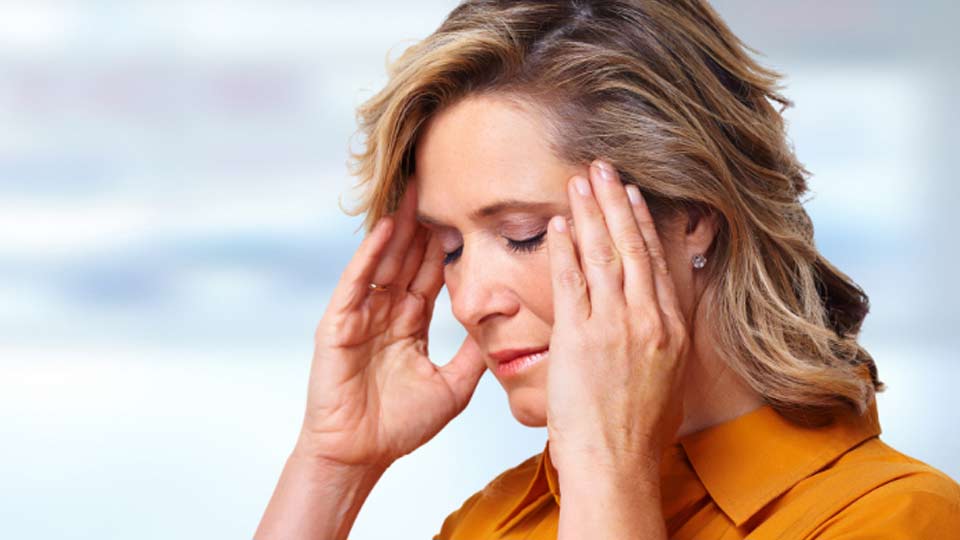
column 699, row 261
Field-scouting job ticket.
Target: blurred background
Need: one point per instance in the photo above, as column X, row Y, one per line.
column 170, row 234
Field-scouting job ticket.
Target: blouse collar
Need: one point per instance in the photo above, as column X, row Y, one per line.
column 743, row 464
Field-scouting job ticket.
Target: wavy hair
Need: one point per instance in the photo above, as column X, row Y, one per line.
column 664, row 91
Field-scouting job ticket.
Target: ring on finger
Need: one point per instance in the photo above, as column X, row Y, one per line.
column 375, row 287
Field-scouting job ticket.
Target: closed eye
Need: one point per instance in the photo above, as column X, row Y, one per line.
column 526, row 245
column 452, row 256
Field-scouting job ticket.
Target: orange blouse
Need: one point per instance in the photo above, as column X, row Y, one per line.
column 757, row 475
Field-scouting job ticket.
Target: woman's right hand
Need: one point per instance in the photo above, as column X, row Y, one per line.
column 374, row 395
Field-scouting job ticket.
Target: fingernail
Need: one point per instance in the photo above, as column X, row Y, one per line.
column 633, row 192
column 582, row 186
column 606, row 172
column 559, row 224
column 597, row 171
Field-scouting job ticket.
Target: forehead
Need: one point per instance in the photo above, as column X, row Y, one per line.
column 483, row 150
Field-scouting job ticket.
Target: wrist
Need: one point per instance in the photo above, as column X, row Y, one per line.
column 309, row 450
column 608, row 461
column 610, row 479
column 316, row 498
column 602, row 474
column 607, row 502
column 307, row 457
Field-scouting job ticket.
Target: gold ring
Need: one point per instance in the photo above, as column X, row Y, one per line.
column 378, row 288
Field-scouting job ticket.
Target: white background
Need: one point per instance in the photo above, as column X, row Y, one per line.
column 169, row 235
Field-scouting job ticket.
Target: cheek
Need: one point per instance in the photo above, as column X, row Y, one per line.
column 536, row 286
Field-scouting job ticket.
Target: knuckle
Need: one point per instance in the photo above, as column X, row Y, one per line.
column 332, row 334
column 661, row 341
column 679, row 328
column 632, row 245
column 592, row 210
column 417, row 300
column 617, row 334
column 646, row 223
column 656, row 328
column 676, row 320
column 653, row 331
column 571, row 278
column 601, row 255
column 659, row 262
column 681, row 336
column 655, row 249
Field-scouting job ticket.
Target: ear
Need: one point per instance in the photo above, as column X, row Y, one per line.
column 702, row 225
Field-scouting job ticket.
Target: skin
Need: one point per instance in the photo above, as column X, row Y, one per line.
column 617, row 301
column 496, row 150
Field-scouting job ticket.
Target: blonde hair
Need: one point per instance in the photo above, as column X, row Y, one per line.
column 666, row 93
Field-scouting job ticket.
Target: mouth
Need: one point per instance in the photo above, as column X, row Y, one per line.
column 514, row 361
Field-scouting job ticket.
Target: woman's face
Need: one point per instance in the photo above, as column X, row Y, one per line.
column 488, row 185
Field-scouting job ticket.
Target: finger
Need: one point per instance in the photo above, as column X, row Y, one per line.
column 429, row 278
column 353, row 285
column 571, row 303
column 416, row 311
column 413, row 259
column 463, row 372
column 598, row 257
column 665, row 287
column 392, row 261
column 638, row 282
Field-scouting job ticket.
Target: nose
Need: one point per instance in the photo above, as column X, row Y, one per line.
column 479, row 287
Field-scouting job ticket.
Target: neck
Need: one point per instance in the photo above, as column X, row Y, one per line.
column 713, row 392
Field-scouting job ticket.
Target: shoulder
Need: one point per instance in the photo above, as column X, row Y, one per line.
column 887, row 470
column 498, row 496
column 902, row 498
column 872, row 491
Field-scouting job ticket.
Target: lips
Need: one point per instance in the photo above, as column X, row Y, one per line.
column 511, row 362
column 507, row 355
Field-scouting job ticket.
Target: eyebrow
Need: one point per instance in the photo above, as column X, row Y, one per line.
column 499, row 207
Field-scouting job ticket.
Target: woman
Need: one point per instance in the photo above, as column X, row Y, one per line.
column 606, row 190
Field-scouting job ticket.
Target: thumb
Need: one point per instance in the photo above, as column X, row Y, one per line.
column 463, row 372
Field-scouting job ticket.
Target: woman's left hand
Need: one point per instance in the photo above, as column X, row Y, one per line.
column 619, row 339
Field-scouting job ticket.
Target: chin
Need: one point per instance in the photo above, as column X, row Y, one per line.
column 528, row 406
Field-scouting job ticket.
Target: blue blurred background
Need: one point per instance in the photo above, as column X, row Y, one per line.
column 169, row 235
